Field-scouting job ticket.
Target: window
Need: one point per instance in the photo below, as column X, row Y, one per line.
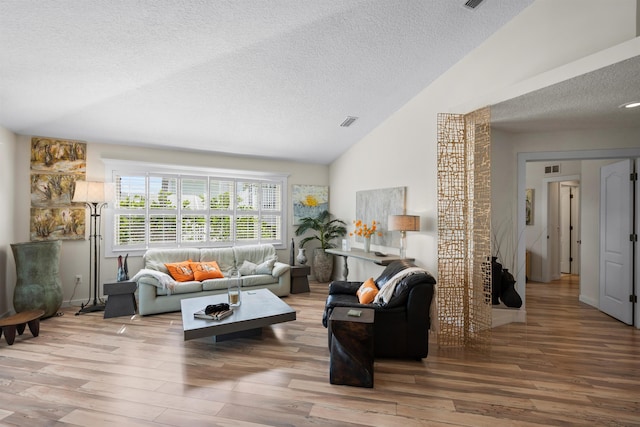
column 166, row 209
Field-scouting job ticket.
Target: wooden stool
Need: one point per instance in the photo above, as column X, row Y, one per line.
column 299, row 280
column 17, row 322
column 351, row 347
column 121, row 301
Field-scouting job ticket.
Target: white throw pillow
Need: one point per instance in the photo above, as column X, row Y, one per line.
column 248, row 268
column 266, row 267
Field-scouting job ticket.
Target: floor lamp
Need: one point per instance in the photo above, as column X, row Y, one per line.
column 404, row 223
column 95, row 195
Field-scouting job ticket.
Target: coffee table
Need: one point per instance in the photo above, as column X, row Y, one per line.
column 258, row 308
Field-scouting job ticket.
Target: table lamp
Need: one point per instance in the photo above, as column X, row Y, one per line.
column 404, row 223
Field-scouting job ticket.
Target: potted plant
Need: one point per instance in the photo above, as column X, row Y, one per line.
column 326, row 230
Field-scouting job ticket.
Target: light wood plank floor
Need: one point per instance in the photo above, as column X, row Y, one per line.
column 568, row 365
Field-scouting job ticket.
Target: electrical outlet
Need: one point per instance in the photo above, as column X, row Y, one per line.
column 78, row 279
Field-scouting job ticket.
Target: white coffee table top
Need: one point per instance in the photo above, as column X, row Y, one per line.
column 258, row 308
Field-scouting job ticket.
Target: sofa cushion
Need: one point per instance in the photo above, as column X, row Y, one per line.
column 206, row 270
column 223, row 256
column 155, row 259
column 367, row 292
column 180, row 271
column 403, row 288
column 186, row 287
column 256, row 254
column 257, row 280
column 391, row 270
column 216, row 284
column 248, row 268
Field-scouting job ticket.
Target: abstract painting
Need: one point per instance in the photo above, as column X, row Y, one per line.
column 377, row 205
column 309, row 201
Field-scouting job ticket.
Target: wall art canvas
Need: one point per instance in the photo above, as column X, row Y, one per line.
column 378, row 205
column 309, row 201
column 57, row 223
column 53, row 189
column 56, row 166
column 58, row 155
column 529, row 206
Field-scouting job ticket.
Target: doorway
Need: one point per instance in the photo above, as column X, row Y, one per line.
column 589, row 218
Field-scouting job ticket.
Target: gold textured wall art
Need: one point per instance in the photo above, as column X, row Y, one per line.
column 56, row 165
column 464, row 231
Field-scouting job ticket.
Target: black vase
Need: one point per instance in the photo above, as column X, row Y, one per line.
column 496, row 280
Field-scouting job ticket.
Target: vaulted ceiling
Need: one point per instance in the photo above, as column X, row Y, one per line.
column 258, row 78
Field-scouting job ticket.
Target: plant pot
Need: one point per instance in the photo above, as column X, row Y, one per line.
column 322, row 265
column 38, row 285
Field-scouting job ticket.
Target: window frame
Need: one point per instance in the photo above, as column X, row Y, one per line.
column 114, row 168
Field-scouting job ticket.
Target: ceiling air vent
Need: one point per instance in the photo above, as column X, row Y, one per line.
column 348, row 121
column 472, row 4
column 552, row 169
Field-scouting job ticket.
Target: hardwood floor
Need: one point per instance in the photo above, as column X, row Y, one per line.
column 568, row 365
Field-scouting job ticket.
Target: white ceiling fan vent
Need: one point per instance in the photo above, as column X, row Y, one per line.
column 472, row 4
column 348, row 121
column 552, row 169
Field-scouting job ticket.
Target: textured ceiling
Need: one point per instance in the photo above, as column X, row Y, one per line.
column 261, row 78
column 588, row 101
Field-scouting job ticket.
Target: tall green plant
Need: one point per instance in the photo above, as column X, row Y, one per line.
column 326, row 229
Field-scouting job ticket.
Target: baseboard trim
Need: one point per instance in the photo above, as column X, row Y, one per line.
column 504, row 316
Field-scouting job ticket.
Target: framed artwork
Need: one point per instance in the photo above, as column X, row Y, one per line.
column 529, row 206
column 56, row 165
column 57, row 223
column 378, row 205
column 309, row 201
column 53, row 189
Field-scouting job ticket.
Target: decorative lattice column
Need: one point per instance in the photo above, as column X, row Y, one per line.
column 464, row 229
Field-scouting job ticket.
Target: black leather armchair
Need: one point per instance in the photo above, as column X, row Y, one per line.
column 401, row 327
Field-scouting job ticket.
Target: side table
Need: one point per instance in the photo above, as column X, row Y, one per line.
column 121, row 301
column 351, row 347
column 299, row 280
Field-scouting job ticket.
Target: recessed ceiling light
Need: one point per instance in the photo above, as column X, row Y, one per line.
column 630, row 105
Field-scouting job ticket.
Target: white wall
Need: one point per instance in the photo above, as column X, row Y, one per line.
column 75, row 254
column 7, row 236
column 402, row 150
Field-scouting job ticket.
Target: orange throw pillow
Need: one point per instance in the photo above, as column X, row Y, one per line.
column 367, row 292
column 206, row 270
column 180, row 271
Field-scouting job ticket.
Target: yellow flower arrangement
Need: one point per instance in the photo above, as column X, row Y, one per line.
column 364, row 230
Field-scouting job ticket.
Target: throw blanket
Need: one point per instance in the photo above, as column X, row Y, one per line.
column 386, row 292
column 165, row 280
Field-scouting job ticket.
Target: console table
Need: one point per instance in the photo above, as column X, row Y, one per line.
column 366, row 256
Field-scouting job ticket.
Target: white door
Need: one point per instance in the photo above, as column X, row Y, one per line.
column 570, row 228
column 565, row 229
column 575, row 230
column 616, row 225
column 553, row 231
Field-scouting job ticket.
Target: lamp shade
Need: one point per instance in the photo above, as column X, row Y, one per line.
column 404, row 223
column 93, row 192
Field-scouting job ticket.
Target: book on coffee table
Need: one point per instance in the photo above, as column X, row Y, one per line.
column 216, row 315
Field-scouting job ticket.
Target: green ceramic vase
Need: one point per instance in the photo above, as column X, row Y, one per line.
column 38, row 285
